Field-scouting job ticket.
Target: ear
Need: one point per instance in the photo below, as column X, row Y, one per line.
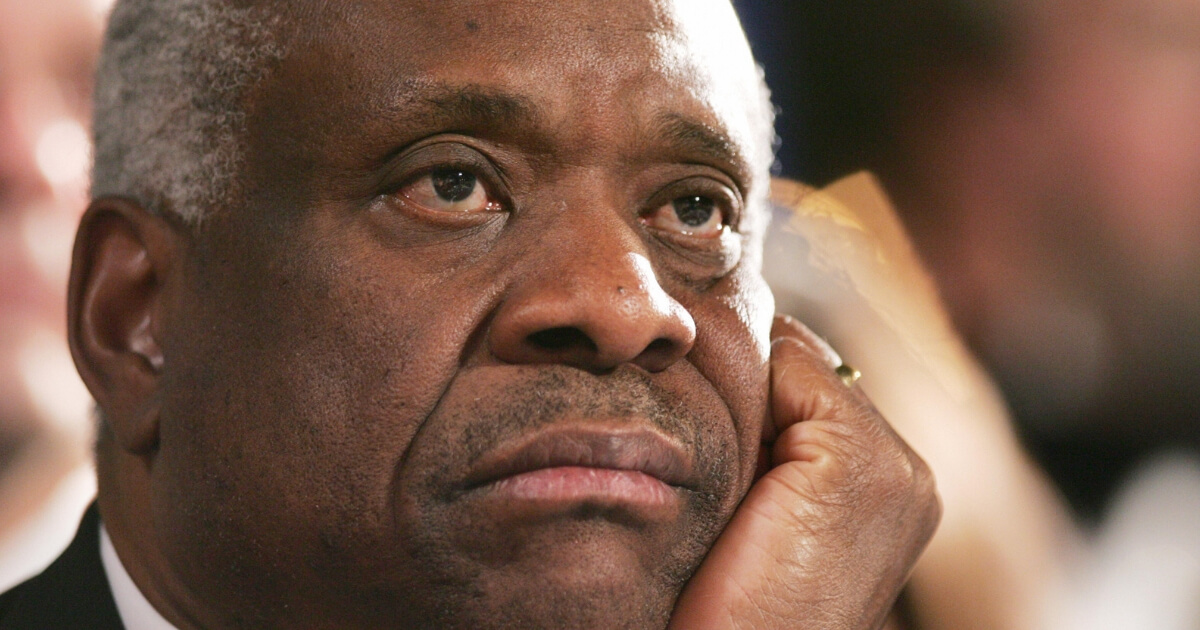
column 116, row 303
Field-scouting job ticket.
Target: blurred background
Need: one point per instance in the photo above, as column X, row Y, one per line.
column 1043, row 154
column 47, row 52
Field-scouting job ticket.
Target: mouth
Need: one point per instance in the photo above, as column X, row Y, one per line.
column 586, row 464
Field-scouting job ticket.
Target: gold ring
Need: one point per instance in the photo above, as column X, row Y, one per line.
column 848, row 374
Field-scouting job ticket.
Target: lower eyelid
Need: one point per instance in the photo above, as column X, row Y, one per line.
column 703, row 263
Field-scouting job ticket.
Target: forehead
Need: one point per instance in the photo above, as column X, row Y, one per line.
column 566, row 40
column 587, row 68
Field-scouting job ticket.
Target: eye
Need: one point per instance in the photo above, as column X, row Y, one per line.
column 450, row 190
column 692, row 215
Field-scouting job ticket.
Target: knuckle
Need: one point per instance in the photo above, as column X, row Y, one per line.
column 932, row 514
column 833, row 446
column 811, row 492
column 787, row 347
column 926, row 495
column 912, row 489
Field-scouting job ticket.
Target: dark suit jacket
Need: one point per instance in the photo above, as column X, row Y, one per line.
column 70, row 594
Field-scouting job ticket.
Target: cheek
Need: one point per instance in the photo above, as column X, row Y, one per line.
column 346, row 357
column 732, row 351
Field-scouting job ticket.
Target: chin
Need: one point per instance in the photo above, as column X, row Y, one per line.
column 600, row 609
column 590, row 592
column 586, row 572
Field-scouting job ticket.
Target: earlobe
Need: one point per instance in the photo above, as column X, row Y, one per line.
column 119, row 279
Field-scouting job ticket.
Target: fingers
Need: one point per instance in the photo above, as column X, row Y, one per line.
column 826, row 538
column 833, row 429
column 828, row 535
column 805, row 384
column 846, row 474
column 786, row 326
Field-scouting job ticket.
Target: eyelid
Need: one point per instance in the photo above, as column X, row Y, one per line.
column 727, row 197
column 734, row 179
column 422, row 159
column 666, row 219
column 412, row 192
column 407, row 166
column 702, row 260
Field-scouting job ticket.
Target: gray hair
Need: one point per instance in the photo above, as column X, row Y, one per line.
column 169, row 114
column 169, row 111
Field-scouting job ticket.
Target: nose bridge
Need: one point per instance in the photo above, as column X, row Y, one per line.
column 599, row 252
column 594, row 301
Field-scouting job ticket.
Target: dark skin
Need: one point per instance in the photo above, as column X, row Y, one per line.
column 550, row 234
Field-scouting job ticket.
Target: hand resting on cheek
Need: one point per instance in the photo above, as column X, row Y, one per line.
column 827, row 537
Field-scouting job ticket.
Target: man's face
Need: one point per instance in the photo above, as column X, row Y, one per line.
column 486, row 343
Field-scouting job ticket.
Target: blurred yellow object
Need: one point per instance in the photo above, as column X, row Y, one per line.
column 839, row 259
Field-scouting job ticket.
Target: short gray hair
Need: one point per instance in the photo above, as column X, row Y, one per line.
column 169, row 110
column 169, row 114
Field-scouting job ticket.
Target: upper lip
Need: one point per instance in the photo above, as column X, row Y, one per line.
column 642, row 450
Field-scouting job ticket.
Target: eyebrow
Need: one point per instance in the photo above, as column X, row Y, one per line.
column 480, row 105
column 479, row 108
column 697, row 138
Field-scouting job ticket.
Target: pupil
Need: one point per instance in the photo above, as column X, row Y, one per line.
column 694, row 211
column 452, row 185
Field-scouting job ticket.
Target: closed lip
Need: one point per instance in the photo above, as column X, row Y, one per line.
column 641, row 450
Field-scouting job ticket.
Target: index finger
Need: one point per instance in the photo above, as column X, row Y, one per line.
column 805, row 384
column 786, row 326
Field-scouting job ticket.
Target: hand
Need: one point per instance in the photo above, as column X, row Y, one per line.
column 845, row 265
column 827, row 537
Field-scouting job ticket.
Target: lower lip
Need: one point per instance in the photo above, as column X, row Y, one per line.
column 573, row 484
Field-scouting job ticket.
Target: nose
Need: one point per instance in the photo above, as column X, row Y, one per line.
column 597, row 306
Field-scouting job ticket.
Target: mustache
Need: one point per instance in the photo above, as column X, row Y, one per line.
column 556, row 394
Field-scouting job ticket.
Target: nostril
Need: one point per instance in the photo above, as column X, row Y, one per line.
column 659, row 355
column 660, row 346
column 562, row 338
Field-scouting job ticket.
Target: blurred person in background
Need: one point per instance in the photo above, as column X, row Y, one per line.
column 47, row 50
column 1046, row 158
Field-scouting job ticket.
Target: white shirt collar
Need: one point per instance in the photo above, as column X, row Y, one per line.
column 136, row 612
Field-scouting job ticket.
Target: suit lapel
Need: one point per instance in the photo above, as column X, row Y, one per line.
column 72, row 593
